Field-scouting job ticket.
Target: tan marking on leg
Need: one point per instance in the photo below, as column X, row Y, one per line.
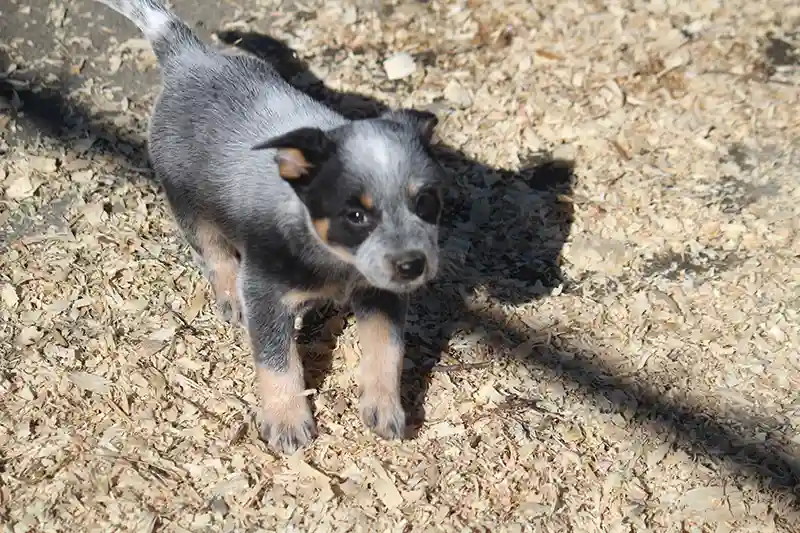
column 227, row 272
column 379, row 374
column 280, row 389
column 287, row 421
column 220, row 257
column 381, row 359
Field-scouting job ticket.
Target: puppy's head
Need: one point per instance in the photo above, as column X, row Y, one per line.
column 373, row 194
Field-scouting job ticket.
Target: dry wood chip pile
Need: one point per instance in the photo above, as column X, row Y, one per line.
column 618, row 354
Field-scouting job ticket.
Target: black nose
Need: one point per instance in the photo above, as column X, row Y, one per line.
column 409, row 266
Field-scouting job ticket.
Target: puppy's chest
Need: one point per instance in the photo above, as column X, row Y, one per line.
column 339, row 292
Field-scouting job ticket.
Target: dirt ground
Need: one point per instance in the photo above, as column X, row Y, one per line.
column 613, row 346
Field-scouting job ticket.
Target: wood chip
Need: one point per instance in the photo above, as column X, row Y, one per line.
column 385, row 487
column 29, row 335
column 90, row 382
column 456, row 93
column 43, row 164
column 400, row 65
column 593, row 335
column 20, row 187
column 8, row 294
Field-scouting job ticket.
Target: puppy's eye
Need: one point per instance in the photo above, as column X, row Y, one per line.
column 357, row 217
column 427, row 206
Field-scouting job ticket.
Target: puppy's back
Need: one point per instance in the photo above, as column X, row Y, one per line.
column 212, row 110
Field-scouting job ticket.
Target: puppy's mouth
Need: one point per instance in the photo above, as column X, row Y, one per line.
column 409, row 287
column 402, row 287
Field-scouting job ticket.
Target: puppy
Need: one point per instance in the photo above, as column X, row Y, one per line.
column 284, row 203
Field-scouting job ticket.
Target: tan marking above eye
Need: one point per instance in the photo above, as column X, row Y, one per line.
column 367, row 201
column 292, row 164
column 322, row 226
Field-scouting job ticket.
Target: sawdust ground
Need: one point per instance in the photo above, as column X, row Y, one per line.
column 613, row 347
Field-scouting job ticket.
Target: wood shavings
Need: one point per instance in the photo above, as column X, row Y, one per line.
column 399, row 66
column 385, row 487
column 457, row 94
column 8, row 294
column 29, row 335
column 90, row 382
column 20, row 187
column 43, row 164
column 303, row 469
column 569, row 369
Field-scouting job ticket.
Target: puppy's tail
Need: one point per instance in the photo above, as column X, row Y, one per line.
column 169, row 36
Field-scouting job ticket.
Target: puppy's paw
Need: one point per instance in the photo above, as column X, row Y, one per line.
column 229, row 310
column 287, row 428
column 384, row 415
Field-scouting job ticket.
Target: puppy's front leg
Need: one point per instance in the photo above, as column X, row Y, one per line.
column 287, row 423
column 381, row 319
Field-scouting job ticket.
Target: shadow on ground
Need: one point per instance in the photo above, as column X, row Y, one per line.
column 44, row 107
column 511, row 267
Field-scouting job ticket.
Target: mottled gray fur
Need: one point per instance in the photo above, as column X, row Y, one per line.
column 236, row 208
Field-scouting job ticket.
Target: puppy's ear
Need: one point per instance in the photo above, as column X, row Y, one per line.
column 424, row 122
column 300, row 153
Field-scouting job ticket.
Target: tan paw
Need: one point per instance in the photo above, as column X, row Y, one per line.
column 287, row 428
column 384, row 415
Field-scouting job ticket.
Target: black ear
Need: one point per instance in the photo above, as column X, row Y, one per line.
column 424, row 122
column 300, row 152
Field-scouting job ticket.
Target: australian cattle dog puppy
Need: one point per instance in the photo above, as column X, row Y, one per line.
column 285, row 203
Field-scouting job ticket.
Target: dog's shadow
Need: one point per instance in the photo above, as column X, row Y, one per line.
column 502, row 233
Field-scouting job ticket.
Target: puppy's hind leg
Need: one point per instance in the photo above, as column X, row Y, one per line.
column 217, row 258
column 221, row 261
